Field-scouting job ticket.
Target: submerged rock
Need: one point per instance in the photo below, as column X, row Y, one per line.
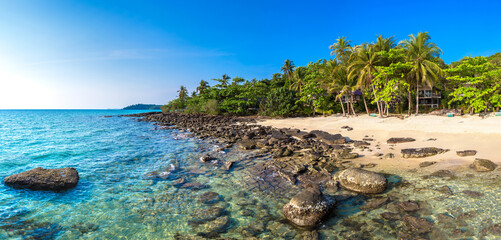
column 362, row 181
column 307, row 208
column 417, row 224
column 483, row 165
column 421, row 152
column 375, row 203
column 443, row 174
column 399, row 140
column 390, row 216
column 473, row 194
column 205, row 158
column 408, row 206
column 426, row 164
column 466, row 153
column 44, row 179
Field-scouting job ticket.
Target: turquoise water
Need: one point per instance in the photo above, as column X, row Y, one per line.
column 132, row 186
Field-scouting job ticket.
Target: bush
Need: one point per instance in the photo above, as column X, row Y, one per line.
column 211, row 107
column 280, row 102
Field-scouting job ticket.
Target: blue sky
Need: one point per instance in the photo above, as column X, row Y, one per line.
column 109, row 54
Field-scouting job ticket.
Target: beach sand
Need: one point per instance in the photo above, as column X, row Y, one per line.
column 453, row 133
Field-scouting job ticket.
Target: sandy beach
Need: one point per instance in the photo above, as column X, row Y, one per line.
column 454, row 133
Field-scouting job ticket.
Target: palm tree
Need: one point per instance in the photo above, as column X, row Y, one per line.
column 421, row 52
column 288, row 69
column 223, row 82
column 342, row 49
column 183, row 92
column 298, row 79
column 384, row 44
column 363, row 66
column 336, row 78
column 204, row 85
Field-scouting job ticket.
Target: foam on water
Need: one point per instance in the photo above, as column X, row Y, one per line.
column 119, row 195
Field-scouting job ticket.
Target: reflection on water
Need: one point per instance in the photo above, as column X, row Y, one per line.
column 140, row 182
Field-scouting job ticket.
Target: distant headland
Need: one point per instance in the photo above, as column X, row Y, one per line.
column 143, row 107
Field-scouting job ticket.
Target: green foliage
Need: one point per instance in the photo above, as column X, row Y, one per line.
column 143, row 107
column 280, row 102
column 210, row 107
column 477, row 84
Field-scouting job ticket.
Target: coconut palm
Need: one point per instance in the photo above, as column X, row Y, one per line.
column 298, row 79
column 288, row 69
column 384, row 44
column 342, row 49
column 362, row 68
column 337, row 81
column 223, row 82
column 204, row 85
column 422, row 52
column 183, row 93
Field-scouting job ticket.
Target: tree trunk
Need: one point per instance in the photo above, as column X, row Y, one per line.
column 352, row 108
column 417, row 98
column 410, row 104
column 377, row 102
column 365, row 103
column 342, row 107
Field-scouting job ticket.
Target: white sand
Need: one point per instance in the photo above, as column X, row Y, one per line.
column 455, row 133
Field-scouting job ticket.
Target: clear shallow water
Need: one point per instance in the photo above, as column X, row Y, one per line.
column 118, row 198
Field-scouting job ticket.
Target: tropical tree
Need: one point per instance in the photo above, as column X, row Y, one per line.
column 203, row 86
column 341, row 49
column 422, row 52
column 223, row 82
column 363, row 66
column 288, row 70
column 298, row 79
column 183, row 93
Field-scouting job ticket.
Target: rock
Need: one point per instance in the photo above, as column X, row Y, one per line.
column 466, row 153
column 227, row 165
column 193, row 186
column 375, row 203
column 421, row 152
column 247, row 144
column 408, row 206
column 205, row 158
column 362, row 181
column 308, row 207
column 399, row 140
column 329, row 138
column 214, row 227
column 390, row 216
column 426, row 164
column 341, row 152
column 44, row 179
column 473, row 194
column 445, row 189
column 209, row 198
column 203, row 215
column 367, row 139
column 443, row 174
column 361, row 144
column 483, row 165
column 279, row 136
column 389, row 155
column 417, row 224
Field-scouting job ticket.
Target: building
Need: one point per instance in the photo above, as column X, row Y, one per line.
column 429, row 97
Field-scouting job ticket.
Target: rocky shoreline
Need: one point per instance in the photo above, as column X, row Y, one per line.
column 309, row 160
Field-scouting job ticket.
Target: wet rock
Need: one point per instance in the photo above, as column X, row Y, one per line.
column 421, row 152
column 494, row 229
column 362, row 181
column 179, row 182
column 227, row 165
column 309, row 235
column 193, row 186
column 443, row 174
column 212, row 228
column 390, row 216
column 44, row 179
column 341, row 152
column 205, row 158
column 399, row 140
column 445, row 189
column 466, row 153
column 361, row 144
column 203, row 215
column 307, row 208
column 417, row 224
column 473, row 194
column 209, row 198
column 483, row 165
column 408, row 206
column 426, row 164
column 247, row 144
column 279, row 136
column 329, row 138
column 375, row 203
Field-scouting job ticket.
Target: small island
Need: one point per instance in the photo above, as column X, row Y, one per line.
column 141, row 106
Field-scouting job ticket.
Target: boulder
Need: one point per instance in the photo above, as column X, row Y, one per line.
column 329, row 138
column 421, row 152
column 417, row 225
column 362, row 181
column 247, row 144
column 399, row 140
column 483, row 165
column 205, row 158
column 466, row 153
column 308, row 208
column 227, row 165
column 44, row 179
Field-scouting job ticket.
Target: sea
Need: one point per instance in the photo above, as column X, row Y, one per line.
column 141, row 181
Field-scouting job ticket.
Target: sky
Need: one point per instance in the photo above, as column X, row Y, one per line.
column 93, row 54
